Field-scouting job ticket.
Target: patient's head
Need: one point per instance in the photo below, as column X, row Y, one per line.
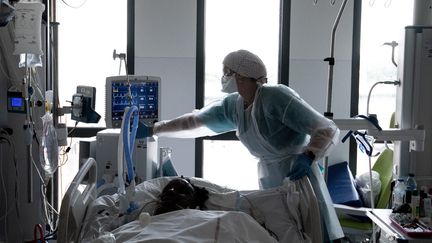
column 179, row 194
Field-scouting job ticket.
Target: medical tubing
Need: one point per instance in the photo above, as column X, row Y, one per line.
column 131, row 142
column 120, row 157
column 373, row 86
column 126, row 142
column 129, row 139
column 28, row 126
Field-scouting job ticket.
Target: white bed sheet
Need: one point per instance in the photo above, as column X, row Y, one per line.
column 192, row 225
column 241, row 212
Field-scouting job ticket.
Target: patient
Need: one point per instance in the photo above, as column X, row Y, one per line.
column 181, row 194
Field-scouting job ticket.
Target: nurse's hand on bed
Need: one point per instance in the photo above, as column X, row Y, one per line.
column 301, row 167
column 144, row 130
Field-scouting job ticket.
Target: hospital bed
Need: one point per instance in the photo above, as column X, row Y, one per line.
column 274, row 215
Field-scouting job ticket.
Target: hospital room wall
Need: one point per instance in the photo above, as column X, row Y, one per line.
column 19, row 224
column 165, row 46
column 310, row 36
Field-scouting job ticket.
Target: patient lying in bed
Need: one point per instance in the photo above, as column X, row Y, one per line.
column 178, row 194
column 194, row 210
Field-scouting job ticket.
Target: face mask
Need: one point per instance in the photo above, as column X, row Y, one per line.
column 229, row 84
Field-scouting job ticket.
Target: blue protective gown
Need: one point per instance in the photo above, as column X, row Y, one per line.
column 276, row 128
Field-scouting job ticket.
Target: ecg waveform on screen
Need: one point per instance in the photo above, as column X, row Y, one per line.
column 144, row 96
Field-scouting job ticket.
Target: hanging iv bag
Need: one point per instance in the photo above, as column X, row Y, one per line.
column 28, row 25
column 49, row 147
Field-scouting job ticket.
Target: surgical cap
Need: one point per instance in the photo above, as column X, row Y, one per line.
column 246, row 64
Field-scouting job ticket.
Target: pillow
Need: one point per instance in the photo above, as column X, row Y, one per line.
column 341, row 185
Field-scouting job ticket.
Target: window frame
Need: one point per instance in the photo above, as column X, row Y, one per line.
column 283, row 71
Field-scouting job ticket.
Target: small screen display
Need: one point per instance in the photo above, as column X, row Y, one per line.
column 17, row 102
column 144, row 96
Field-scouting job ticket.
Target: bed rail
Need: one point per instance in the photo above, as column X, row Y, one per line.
column 81, row 192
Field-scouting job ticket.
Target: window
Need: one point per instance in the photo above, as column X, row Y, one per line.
column 382, row 23
column 86, row 54
column 231, row 25
column 89, row 31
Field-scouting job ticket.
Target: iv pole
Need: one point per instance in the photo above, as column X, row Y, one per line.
column 331, row 61
column 328, row 112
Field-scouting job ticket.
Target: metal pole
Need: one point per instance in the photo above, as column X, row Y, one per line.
column 331, row 60
column 53, row 47
column 48, row 83
column 54, row 67
column 28, row 132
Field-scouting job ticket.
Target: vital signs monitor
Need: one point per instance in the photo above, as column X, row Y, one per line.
column 144, row 92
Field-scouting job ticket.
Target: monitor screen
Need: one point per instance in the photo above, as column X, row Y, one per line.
column 145, row 95
column 17, row 102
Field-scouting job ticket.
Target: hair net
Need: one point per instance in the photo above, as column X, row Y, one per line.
column 246, row 64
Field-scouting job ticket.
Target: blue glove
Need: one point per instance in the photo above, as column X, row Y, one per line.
column 144, row 130
column 301, row 167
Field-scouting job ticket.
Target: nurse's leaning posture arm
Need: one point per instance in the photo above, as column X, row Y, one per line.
column 273, row 122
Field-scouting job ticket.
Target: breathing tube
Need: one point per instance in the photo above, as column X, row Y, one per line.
column 127, row 138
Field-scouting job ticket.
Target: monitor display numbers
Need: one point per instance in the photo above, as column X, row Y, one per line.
column 144, row 96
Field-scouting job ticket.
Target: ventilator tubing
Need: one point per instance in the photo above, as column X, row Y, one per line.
column 125, row 147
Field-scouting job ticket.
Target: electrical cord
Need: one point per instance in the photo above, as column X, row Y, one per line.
column 49, row 211
column 5, row 196
column 68, row 148
column 5, row 136
column 8, row 138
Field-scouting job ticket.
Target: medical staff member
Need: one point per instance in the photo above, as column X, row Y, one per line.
column 273, row 122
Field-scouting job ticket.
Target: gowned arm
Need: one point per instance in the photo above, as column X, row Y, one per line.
column 185, row 126
column 323, row 139
column 323, row 132
column 215, row 118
